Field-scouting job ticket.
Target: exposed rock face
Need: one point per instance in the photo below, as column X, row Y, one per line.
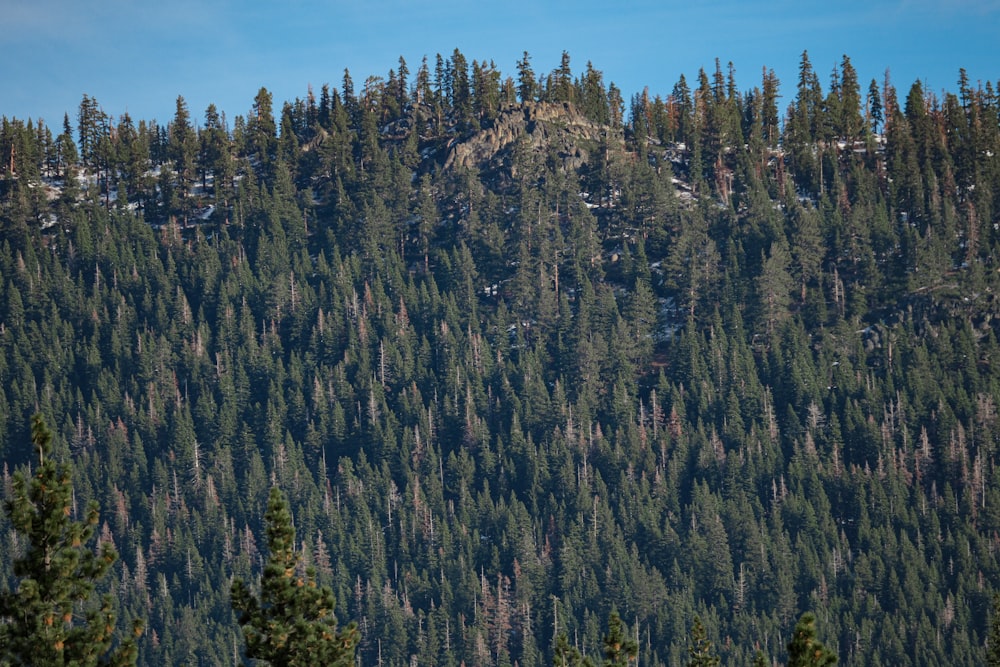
column 543, row 125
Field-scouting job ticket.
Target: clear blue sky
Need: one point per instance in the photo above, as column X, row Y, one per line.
column 139, row 55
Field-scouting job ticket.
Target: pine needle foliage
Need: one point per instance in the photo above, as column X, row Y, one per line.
column 700, row 649
column 805, row 650
column 291, row 624
column 619, row 648
column 48, row 620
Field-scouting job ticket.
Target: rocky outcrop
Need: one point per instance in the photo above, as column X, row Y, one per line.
column 544, row 126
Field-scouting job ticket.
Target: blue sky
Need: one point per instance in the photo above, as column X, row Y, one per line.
column 138, row 56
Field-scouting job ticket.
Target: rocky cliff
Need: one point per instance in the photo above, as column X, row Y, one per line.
column 544, row 127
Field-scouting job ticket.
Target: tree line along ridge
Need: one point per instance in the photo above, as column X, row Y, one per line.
column 532, row 364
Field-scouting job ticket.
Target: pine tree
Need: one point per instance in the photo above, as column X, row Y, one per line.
column 262, row 131
column 700, row 647
column 850, row 123
column 461, row 90
column 593, row 97
column 291, row 624
column 89, row 119
column 874, row 106
column 182, row 146
column 66, row 148
column 562, row 80
column 774, row 285
column 619, row 648
column 57, row 574
column 771, row 121
column 525, row 79
column 993, row 641
column 568, row 656
column 805, row 650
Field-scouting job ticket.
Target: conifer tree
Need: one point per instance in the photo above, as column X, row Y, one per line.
column 850, row 123
column 41, row 620
column 89, row 123
column 562, row 80
column 66, row 149
column 525, row 79
column 619, row 648
column 182, row 146
column 874, row 106
column 993, row 641
column 771, row 122
column 291, row 624
column 262, row 131
column 568, row 656
column 805, row 650
column 700, row 647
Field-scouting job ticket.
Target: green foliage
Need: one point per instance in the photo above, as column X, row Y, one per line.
column 993, row 639
column 619, row 648
column 291, row 624
column 700, row 651
column 50, row 619
column 805, row 650
column 702, row 358
column 568, row 656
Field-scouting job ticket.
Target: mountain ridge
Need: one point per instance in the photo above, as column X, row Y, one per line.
column 433, row 316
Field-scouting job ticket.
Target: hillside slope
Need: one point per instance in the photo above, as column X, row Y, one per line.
column 520, row 363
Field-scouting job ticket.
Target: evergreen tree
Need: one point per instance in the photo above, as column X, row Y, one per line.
column 700, row 647
column 291, row 624
column 683, row 110
column 874, row 106
column 66, row 148
column 805, row 650
column 849, row 121
column 561, row 89
column 132, row 159
column 182, row 146
column 619, row 648
column 214, row 155
column 461, row 90
column 770, row 120
column 526, row 83
column 89, row 120
column 774, row 285
column 993, row 641
column 568, row 656
column 593, row 98
column 57, row 574
column 262, row 132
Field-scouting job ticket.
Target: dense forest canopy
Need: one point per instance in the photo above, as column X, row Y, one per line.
column 522, row 353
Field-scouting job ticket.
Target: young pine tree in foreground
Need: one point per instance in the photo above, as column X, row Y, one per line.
column 619, row 648
column 292, row 623
column 565, row 655
column 40, row 621
column 805, row 650
column 700, row 648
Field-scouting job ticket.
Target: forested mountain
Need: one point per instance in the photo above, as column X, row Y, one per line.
column 522, row 353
